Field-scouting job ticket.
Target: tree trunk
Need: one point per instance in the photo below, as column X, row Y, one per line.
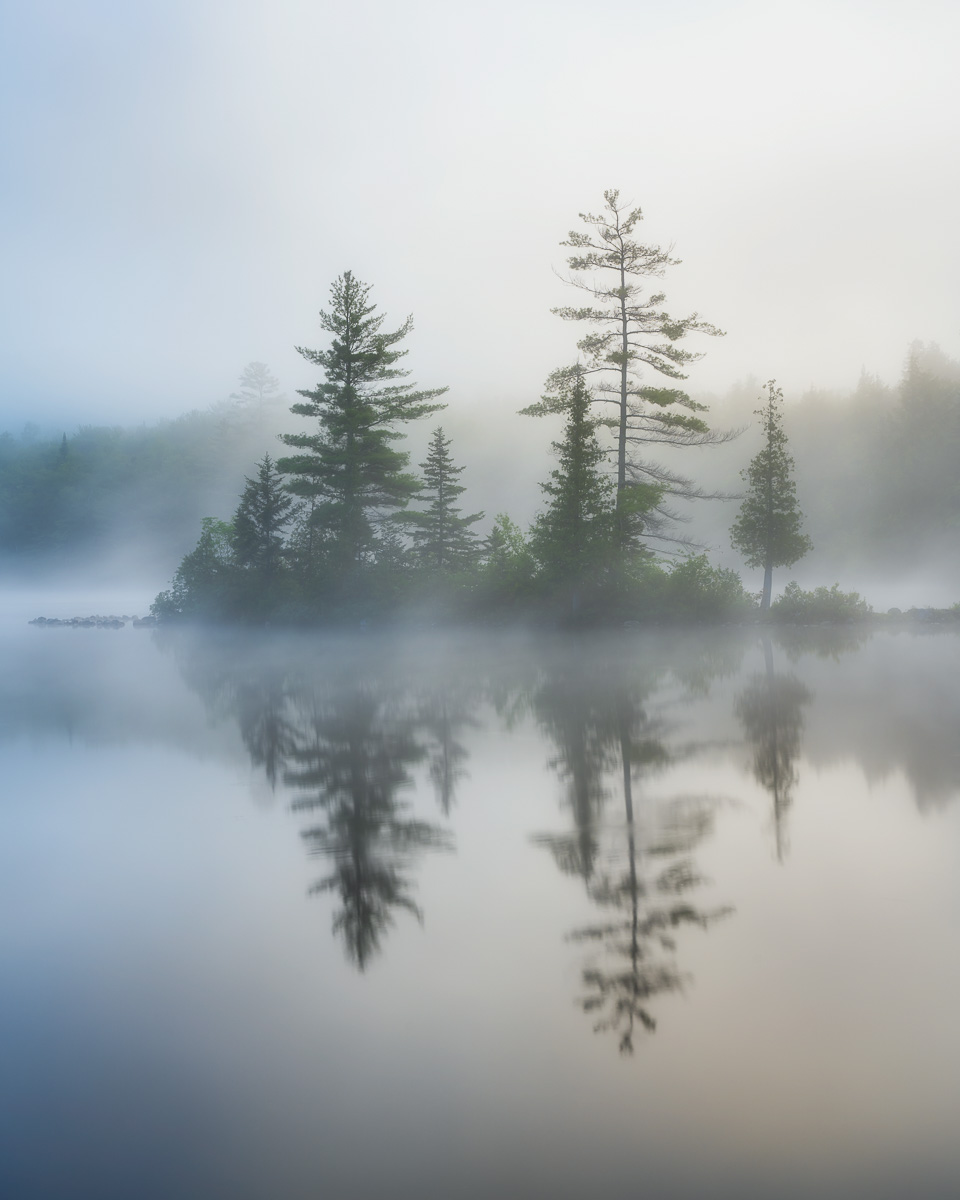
column 767, row 588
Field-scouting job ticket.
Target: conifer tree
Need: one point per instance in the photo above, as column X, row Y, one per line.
column 259, row 393
column 442, row 537
column 264, row 511
column 767, row 528
column 347, row 467
column 574, row 536
column 633, row 334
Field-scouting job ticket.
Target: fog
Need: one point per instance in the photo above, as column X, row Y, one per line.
column 184, row 180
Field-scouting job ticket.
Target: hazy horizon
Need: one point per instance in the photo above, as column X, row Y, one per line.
column 185, row 181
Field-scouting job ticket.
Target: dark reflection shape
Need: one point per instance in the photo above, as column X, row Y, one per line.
column 263, row 708
column 825, row 641
column 770, row 710
column 575, row 712
column 353, row 760
column 605, row 742
column 444, row 713
column 633, row 963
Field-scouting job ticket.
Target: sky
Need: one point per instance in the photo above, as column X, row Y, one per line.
column 181, row 182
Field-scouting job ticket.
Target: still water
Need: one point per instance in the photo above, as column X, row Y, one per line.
column 635, row 914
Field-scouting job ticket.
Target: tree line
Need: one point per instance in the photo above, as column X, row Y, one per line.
column 341, row 528
column 359, row 533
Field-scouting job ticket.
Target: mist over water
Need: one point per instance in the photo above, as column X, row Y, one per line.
column 453, row 914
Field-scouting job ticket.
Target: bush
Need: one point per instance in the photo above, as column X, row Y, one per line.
column 694, row 590
column 822, row 604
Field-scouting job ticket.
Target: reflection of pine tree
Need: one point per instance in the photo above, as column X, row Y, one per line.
column 770, row 709
column 634, row 964
column 599, row 722
column 264, row 715
column 353, row 761
column 574, row 717
column 442, row 715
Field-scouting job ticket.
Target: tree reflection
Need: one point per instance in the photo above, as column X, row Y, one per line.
column 353, row 761
column 575, row 713
column 607, row 742
column 770, row 710
column 444, row 713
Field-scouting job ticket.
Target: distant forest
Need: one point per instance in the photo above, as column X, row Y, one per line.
column 876, row 469
column 73, row 498
column 877, row 477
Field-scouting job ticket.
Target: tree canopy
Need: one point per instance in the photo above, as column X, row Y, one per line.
column 767, row 529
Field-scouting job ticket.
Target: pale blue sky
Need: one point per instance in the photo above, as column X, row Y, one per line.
column 181, row 182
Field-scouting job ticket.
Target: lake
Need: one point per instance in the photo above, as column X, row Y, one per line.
column 644, row 913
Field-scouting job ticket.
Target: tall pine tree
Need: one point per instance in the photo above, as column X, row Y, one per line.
column 633, row 336
column 347, row 468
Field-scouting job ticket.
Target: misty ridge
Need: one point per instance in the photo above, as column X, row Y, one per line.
column 624, row 507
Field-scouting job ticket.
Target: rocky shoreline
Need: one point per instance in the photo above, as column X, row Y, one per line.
column 95, row 622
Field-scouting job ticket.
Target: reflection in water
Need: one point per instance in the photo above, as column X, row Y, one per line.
column 353, row 759
column 444, row 713
column 770, row 709
column 599, row 723
column 346, row 741
column 646, row 893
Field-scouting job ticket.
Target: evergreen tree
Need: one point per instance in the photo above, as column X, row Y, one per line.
column 632, row 333
column 767, row 528
column 347, row 468
column 264, row 511
column 259, row 393
column 442, row 537
column 574, row 537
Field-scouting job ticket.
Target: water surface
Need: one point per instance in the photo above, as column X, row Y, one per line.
column 299, row 916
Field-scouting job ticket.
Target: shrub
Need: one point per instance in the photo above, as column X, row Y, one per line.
column 822, row 604
column 694, row 590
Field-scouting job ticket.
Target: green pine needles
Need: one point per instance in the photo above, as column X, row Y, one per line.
column 573, row 537
column 443, row 540
column 347, row 469
column 767, row 529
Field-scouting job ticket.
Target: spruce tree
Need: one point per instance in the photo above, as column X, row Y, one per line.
column 442, row 538
column 347, row 468
column 767, row 528
column 264, row 511
column 573, row 538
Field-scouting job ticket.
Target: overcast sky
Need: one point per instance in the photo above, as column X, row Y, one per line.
column 182, row 181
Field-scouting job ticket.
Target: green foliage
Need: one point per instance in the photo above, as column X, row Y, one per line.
column 695, row 590
column 205, row 584
column 71, row 496
column 506, row 580
column 633, row 334
column 574, row 539
column 264, row 511
column 443, row 540
column 767, row 528
column 822, row 604
column 347, row 469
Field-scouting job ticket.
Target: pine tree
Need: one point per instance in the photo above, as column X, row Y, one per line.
column 633, row 334
column 347, row 468
column 767, row 528
column 259, row 393
column 573, row 538
column 442, row 538
column 264, row 511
